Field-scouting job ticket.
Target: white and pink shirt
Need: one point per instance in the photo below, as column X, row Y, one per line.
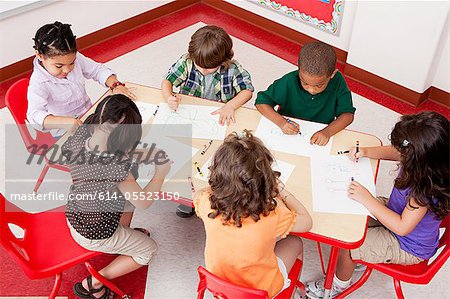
column 48, row 95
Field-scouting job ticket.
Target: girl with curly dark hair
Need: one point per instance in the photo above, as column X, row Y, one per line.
column 408, row 228
column 245, row 211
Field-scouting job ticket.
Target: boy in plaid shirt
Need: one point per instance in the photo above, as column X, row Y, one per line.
column 208, row 71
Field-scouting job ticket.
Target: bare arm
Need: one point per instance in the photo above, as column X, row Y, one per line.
column 136, row 193
column 340, row 123
column 61, row 122
column 304, row 220
column 386, row 152
column 167, row 90
column 400, row 224
column 240, row 99
column 323, row 136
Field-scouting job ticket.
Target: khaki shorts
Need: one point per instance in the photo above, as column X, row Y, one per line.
column 124, row 241
column 381, row 246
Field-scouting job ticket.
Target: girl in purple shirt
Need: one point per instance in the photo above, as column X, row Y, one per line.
column 407, row 230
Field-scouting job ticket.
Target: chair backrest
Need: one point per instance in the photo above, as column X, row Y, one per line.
column 444, row 244
column 223, row 289
column 16, row 100
column 17, row 103
column 11, row 214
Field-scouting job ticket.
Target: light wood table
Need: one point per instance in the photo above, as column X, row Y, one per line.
column 338, row 230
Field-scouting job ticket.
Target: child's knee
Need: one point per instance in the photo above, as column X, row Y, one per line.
column 297, row 243
column 146, row 253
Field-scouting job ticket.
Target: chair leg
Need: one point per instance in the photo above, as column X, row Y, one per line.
column 41, row 177
column 105, row 281
column 56, row 286
column 356, row 285
column 319, row 248
column 294, row 276
column 398, row 289
column 201, row 286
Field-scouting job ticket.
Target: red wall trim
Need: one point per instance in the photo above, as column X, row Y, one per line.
column 439, row 96
column 393, row 89
column 286, row 39
column 25, row 65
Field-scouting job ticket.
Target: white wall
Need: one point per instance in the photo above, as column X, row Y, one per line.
column 85, row 16
column 401, row 41
column 341, row 41
column 442, row 76
column 398, row 40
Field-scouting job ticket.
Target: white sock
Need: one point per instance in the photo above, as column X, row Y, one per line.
column 342, row 284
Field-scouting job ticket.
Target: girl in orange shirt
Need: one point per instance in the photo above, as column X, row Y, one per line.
column 248, row 215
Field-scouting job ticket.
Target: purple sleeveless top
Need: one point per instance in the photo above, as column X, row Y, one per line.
column 424, row 239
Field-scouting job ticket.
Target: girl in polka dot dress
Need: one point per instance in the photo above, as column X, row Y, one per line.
column 104, row 178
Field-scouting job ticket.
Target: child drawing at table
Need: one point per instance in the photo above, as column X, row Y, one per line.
column 99, row 154
column 209, row 71
column 317, row 92
column 57, row 95
column 407, row 231
column 248, row 217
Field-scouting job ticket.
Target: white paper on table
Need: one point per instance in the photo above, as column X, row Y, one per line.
column 147, row 110
column 276, row 140
column 331, row 177
column 204, row 125
column 285, row 168
column 278, row 165
column 146, row 171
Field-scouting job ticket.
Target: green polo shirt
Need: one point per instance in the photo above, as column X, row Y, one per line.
column 294, row 101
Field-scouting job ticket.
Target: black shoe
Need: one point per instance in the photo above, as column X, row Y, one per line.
column 185, row 211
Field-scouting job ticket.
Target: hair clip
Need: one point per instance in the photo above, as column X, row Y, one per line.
column 241, row 135
column 405, row 143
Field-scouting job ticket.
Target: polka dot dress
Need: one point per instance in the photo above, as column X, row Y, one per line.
column 95, row 205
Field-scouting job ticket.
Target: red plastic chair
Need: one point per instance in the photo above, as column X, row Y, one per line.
column 17, row 103
column 421, row 273
column 37, row 253
column 226, row 290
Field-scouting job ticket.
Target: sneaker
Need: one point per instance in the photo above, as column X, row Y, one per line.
column 360, row 268
column 185, row 211
column 316, row 289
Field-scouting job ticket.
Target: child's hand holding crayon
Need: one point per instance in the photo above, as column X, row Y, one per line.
column 174, row 101
column 355, row 153
column 359, row 193
column 290, row 127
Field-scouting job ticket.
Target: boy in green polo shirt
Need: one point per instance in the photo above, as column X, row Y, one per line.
column 316, row 92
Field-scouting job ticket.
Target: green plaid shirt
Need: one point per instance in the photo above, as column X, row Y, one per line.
column 227, row 82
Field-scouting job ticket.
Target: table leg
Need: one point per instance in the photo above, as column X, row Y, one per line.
column 330, row 271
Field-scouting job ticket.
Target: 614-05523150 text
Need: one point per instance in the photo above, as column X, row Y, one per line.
column 56, row 196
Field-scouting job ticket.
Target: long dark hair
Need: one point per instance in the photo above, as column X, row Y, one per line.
column 119, row 109
column 242, row 181
column 55, row 39
column 423, row 142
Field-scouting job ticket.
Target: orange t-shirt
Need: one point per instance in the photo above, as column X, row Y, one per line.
column 245, row 256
